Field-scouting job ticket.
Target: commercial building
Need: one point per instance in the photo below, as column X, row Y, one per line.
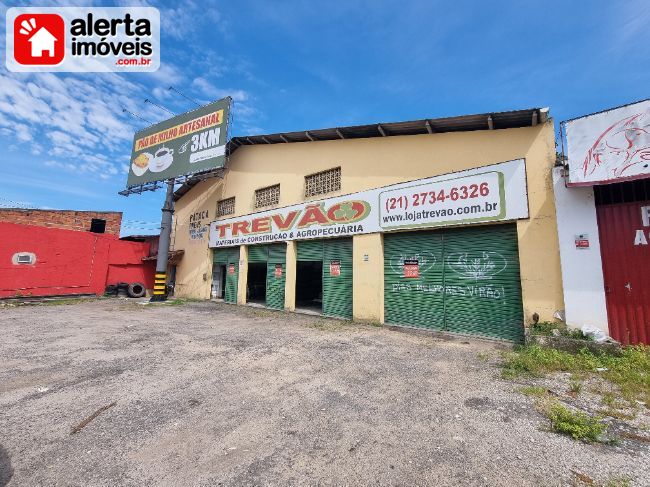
column 446, row 224
column 603, row 209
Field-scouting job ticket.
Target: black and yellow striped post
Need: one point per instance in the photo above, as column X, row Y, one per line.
column 160, row 286
column 160, row 280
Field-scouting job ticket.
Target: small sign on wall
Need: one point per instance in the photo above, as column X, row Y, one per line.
column 582, row 241
column 278, row 271
column 335, row 268
column 231, row 269
column 411, row 268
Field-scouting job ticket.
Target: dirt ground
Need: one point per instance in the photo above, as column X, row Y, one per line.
column 213, row 394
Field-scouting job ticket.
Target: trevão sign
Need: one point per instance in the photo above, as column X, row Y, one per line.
column 189, row 143
column 489, row 193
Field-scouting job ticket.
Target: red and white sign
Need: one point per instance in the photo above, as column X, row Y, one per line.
column 582, row 241
column 609, row 146
column 335, row 268
column 411, row 268
column 82, row 39
column 278, row 270
column 231, row 269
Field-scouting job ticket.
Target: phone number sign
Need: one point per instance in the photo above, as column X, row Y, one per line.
column 462, row 199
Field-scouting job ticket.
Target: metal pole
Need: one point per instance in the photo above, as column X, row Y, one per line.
column 160, row 281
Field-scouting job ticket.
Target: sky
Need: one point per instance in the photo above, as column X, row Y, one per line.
column 298, row 65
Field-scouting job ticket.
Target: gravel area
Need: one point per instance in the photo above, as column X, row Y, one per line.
column 213, row 394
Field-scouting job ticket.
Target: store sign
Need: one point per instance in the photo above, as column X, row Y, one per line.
column 278, row 271
column 642, row 235
column 186, row 144
column 335, row 268
column 610, row 146
column 411, row 268
column 198, row 226
column 490, row 193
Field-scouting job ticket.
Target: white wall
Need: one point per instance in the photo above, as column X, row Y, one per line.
column 582, row 271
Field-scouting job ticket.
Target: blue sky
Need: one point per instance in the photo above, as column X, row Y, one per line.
column 296, row 65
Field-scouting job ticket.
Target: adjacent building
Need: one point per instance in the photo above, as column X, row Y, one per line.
column 61, row 252
column 602, row 194
column 445, row 224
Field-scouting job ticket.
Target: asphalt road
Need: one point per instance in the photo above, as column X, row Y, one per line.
column 212, row 394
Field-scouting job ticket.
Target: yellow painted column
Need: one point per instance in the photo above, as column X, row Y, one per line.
column 539, row 257
column 243, row 274
column 290, row 280
column 368, row 278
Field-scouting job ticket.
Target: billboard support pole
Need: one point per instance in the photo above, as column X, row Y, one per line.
column 160, row 281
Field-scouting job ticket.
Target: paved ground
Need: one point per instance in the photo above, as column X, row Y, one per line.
column 211, row 394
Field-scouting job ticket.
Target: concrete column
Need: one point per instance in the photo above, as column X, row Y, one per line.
column 290, row 281
column 368, row 278
column 243, row 274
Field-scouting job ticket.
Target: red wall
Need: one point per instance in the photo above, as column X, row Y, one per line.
column 69, row 261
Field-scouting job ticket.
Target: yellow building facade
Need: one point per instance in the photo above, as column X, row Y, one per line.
column 398, row 157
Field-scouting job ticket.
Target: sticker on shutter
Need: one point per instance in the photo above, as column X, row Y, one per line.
column 278, row 271
column 335, row 268
column 231, row 269
column 411, row 268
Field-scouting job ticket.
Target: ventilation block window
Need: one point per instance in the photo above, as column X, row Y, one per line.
column 226, row 207
column 97, row 225
column 268, row 196
column 323, row 182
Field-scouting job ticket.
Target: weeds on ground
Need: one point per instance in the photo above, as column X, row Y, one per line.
column 535, row 391
column 546, row 328
column 484, row 356
column 576, row 424
column 630, row 371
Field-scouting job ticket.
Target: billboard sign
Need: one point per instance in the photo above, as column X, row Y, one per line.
column 489, row 193
column 609, row 146
column 186, row 144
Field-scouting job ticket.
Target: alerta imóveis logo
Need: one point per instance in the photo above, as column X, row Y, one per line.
column 83, row 39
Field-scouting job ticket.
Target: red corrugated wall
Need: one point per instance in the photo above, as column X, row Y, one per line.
column 68, row 261
column 626, row 270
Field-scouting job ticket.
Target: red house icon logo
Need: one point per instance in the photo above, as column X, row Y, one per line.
column 39, row 39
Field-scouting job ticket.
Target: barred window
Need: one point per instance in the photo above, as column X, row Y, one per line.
column 323, row 182
column 226, row 207
column 268, row 196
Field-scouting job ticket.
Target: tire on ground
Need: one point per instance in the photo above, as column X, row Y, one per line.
column 136, row 290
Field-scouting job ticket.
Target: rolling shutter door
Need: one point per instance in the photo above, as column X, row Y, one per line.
column 274, row 284
column 230, row 295
column 414, row 301
column 310, row 250
column 483, row 289
column 467, row 281
column 337, row 278
column 258, row 253
column 220, row 256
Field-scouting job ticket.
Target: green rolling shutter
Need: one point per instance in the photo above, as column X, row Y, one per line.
column 258, row 253
column 229, row 256
column 310, row 250
column 277, row 255
column 473, row 286
column 337, row 289
column 414, row 301
column 483, row 288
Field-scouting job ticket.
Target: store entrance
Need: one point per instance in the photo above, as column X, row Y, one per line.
column 309, row 286
column 256, row 285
